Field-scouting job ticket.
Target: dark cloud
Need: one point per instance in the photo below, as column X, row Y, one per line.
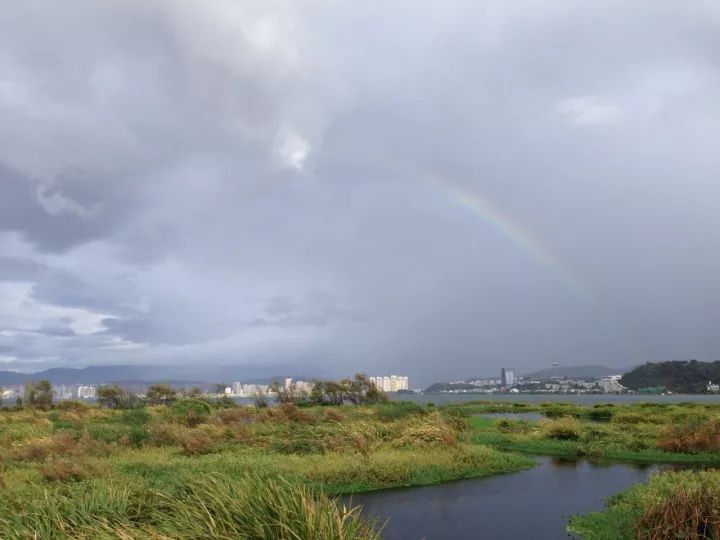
column 439, row 192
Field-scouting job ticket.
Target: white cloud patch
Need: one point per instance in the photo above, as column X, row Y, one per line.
column 589, row 110
column 291, row 149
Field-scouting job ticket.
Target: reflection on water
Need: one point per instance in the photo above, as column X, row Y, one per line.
column 532, row 504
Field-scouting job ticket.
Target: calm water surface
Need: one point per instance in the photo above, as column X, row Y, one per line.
column 581, row 399
column 531, row 504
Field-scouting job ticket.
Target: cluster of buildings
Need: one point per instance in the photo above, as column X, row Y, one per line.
column 238, row 389
column 391, row 383
column 509, row 382
column 61, row 392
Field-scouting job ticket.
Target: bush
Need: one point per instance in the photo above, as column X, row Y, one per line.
column 629, row 418
column 65, row 470
column 292, row 412
column 333, row 415
column 34, row 451
column 191, row 412
column 138, row 436
column 238, row 415
column 600, row 414
column 396, row 410
column 565, row 429
column 197, row 442
column 433, row 429
column 73, row 405
column 691, row 438
column 107, row 433
column 692, row 512
column 134, row 417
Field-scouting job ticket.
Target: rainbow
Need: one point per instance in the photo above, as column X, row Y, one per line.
column 514, row 231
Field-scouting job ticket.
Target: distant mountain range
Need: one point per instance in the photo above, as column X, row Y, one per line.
column 150, row 374
column 577, row 372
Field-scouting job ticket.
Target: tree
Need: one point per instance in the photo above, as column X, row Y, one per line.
column 359, row 390
column 115, row 397
column 161, row 394
column 38, row 394
column 192, row 393
column 260, row 400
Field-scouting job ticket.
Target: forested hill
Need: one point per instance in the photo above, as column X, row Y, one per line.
column 684, row 376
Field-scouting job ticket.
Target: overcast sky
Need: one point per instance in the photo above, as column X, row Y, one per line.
column 438, row 189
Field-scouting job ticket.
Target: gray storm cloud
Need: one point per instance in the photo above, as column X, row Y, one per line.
column 386, row 187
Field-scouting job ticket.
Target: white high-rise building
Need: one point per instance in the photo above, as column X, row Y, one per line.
column 507, row 377
column 237, row 389
column 611, row 384
column 86, row 392
column 391, row 383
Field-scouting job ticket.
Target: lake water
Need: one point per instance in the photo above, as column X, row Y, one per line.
column 580, row 399
column 531, row 504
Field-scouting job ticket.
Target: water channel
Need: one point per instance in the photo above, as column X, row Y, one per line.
column 532, row 504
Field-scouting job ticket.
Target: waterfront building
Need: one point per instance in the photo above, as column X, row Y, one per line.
column 237, row 389
column 507, row 377
column 391, row 383
column 611, row 384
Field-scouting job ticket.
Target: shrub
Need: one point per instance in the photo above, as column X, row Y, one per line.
column 396, row 410
column 64, row 443
column 73, row 405
column 557, row 410
column 629, row 418
column 690, row 513
column 565, row 429
column 34, row 451
column 433, row 429
column 134, row 417
column 167, row 434
column 65, row 470
column 138, row 436
column 691, row 438
column 107, row 433
column 191, row 412
column 333, row 415
column 600, row 413
column 292, row 412
column 238, row 415
column 197, row 442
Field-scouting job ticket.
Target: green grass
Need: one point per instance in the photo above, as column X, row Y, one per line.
column 670, row 505
column 93, row 473
column 208, row 506
column 635, row 433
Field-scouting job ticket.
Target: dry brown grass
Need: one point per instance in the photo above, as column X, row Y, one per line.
column 688, row 514
column 692, row 437
column 65, row 470
column 240, row 415
column 37, row 450
column 434, row 428
column 333, row 415
column 199, row 441
column 292, row 412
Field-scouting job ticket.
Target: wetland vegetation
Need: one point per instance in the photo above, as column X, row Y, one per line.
column 196, row 468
